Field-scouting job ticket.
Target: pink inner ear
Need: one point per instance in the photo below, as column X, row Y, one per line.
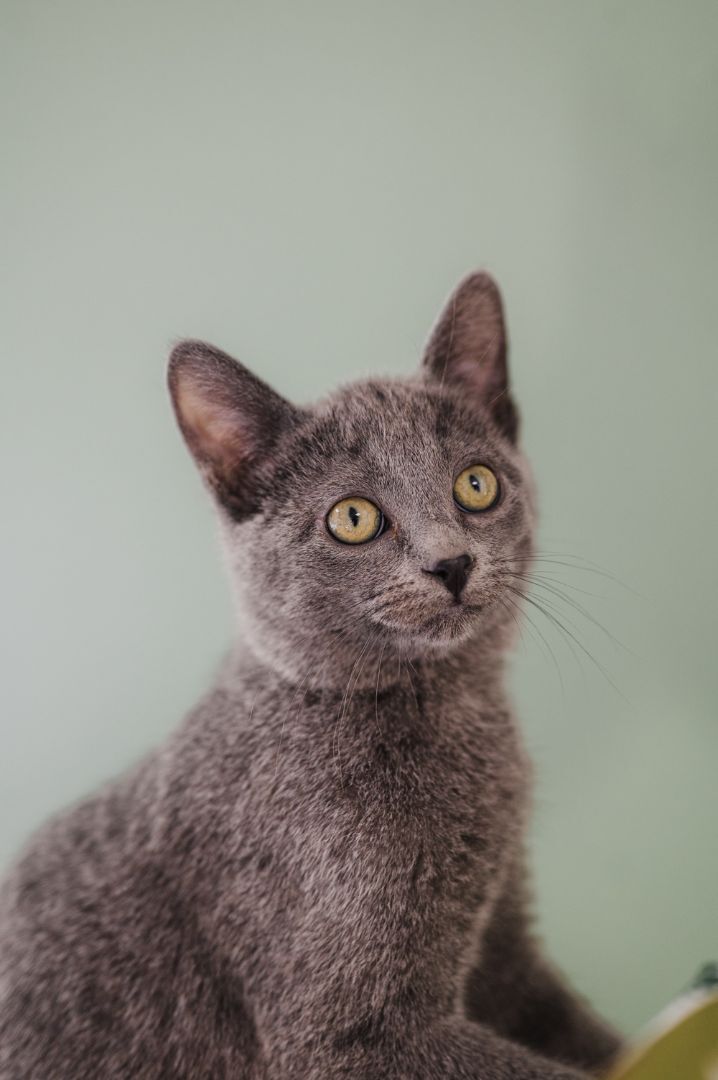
column 473, row 370
column 212, row 427
column 230, row 420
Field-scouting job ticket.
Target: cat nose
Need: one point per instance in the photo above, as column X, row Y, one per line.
column 453, row 573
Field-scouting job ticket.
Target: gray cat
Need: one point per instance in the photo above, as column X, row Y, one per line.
column 321, row 874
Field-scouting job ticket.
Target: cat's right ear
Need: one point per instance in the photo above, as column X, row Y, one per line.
column 230, row 420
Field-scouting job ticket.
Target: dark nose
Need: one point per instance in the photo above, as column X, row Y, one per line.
column 454, row 573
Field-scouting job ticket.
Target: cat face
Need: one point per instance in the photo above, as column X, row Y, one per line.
column 385, row 516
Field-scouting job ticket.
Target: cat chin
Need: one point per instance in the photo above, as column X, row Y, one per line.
column 444, row 630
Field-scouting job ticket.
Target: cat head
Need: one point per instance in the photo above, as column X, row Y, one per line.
column 388, row 516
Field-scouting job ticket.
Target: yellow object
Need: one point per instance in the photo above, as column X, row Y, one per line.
column 476, row 488
column 680, row 1044
column 354, row 520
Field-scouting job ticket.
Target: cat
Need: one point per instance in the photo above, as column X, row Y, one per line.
column 322, row 873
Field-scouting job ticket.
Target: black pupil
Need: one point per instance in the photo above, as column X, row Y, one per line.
column 475, row 483
column 354, row 516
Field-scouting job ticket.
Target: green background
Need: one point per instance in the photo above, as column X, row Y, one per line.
column 302, row 183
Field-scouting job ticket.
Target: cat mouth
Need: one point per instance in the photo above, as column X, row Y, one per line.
column 452, row 620
column 430, row 622
column 452, row 624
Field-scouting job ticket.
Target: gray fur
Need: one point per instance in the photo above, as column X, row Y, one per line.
column 321, row 874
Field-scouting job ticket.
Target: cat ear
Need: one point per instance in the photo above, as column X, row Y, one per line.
column 467, row 349
column 230, row 420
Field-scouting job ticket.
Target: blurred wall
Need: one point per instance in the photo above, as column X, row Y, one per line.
column 302, row 183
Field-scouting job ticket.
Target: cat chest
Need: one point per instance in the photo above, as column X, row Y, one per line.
column 427, row 820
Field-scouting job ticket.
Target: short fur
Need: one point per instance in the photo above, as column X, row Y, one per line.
column 321, row 874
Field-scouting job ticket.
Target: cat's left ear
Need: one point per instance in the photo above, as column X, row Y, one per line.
column 468, row 346
column 231, row 422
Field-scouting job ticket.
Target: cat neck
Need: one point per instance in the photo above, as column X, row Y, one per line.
column 475, row 665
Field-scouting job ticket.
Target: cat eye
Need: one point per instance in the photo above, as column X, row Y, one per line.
column 355, row 521
column 476, row 488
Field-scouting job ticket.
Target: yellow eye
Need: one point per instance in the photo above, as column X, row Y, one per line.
column 355, row 520
column 476, row 488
